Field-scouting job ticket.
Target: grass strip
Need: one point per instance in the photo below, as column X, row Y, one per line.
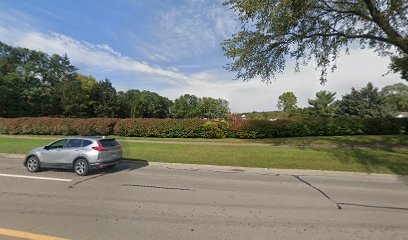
column 388, row 140
column 369, row 160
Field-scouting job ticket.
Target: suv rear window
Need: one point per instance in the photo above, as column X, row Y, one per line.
column 109, row 143
column 86, row 143
column 74, row 143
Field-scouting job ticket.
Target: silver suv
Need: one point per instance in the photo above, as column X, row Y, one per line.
column 81, row 154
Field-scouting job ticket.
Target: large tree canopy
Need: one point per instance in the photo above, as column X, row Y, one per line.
column 287, row 102
column 33, row 84
column 275, row 30
column 323, row 104
column 396, row 96
column 364, row 103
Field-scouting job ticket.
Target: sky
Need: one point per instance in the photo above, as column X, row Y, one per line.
column 172, row 48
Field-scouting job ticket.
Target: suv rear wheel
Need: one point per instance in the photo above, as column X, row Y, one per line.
column 81, row 167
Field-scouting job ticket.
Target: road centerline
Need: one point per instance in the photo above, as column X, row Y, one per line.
column 27, row 235
column 35, row 177
column 158, row 187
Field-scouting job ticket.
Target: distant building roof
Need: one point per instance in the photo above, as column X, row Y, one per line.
column 402, row 115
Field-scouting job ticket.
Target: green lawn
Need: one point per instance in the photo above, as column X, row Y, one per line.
column 371, row 160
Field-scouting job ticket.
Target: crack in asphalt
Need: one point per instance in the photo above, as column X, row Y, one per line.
column 79, row 182
column 184, row 169
column 319, row 190
column 159, row 187
column 373, row 206
column 338, row 204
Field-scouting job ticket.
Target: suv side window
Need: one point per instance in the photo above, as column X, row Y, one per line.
column 74, row 143
column 58, row 144
column 86, row 143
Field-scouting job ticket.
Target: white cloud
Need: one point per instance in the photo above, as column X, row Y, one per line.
column 188, row 30
column 15, row 18
column 99, row 56
column 354, row 70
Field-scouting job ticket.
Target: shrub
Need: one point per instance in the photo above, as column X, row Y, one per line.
column 57, row 126
column 170, row 128
column 215, row 129
column 318, row 127
column 95, row 126
column 192, row 128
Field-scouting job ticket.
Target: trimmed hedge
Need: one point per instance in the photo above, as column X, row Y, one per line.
column 165, row 128
column 57, row 126
column 193, row 128
column 318, row 127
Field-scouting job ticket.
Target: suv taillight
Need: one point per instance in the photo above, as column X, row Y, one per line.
column 99, row 147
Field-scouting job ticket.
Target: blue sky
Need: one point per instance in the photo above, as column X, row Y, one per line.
column 170, row 47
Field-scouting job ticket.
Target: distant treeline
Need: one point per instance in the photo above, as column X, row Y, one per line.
column 34, row 84
column 367, row 102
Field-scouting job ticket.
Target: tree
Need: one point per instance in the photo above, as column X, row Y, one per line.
column 364, row 103
column 88, row 85
column 396, row 97
column 130, row 104
column 106, row 99
column 57, row 71
column 154, row 106
column 287, row 102
column 145, row 104
column 323, row 104
column 273, row 31
column 400, row 65
column 74, row 99
column 208, row 107
column 30, row 82
column 185, row 106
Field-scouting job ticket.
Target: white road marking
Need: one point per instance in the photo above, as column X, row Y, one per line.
column 32, row 177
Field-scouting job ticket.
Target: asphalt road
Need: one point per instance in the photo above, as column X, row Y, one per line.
column 136, row 201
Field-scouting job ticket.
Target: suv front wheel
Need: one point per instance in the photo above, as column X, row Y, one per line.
column 81, row 167
column 33, row 164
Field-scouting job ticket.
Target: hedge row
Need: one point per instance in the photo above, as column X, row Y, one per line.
column 192, row 128
column 166, row 128
column 318, row 127
column 57, row 126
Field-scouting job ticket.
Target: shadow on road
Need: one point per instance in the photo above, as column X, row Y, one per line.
column 339, row 141
column 373, row 160
column 126, row 165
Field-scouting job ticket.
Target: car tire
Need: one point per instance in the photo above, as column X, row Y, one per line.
column 33, row 164
column 81, row 167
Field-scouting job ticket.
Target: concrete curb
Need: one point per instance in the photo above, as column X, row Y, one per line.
column 276, row 171
column 261, row 171
column 12, row 155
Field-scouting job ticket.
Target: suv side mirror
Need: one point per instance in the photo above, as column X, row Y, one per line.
column 46, row 147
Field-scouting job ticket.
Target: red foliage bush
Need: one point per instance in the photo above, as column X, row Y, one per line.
column 318, row 127
column 170, row 128
column 192, row 128
column 57, row 126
